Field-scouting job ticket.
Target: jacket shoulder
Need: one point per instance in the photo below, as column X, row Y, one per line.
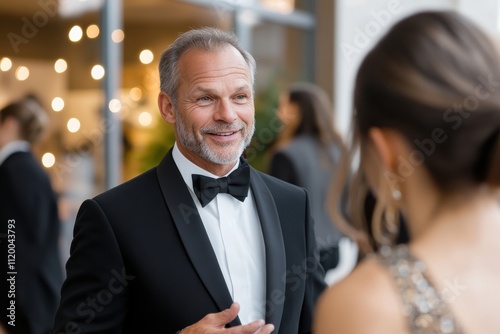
column 128, row 191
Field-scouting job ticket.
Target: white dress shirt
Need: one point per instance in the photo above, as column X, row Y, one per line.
column 13, row 147
column 234, row 230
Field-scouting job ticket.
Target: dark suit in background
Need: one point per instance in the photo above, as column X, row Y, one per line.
column 26, row 196
column 141, row 260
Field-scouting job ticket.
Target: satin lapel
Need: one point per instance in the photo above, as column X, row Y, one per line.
column 192, row 232
column 275, row 249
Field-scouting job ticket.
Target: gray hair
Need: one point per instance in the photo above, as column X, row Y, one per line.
column 209, row 39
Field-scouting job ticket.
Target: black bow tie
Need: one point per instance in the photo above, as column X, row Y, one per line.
column 235, row 184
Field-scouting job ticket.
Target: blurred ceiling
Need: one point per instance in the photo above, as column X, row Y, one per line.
column 137, row 11
column 19, row 7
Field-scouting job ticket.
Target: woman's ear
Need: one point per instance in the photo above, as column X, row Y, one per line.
column 166, row 107
column 389, row 146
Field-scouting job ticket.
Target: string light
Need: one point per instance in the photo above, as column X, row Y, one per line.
column 146, row 56
column 115, row 105
column 75, row 34
column 92, row 31
column 48, row 160
column 5, row 64
column 57, row 104
column 118, row 36
column 22, row 73
column 97, row 72
column 145, row 118
column 60, row 66
column 73, row 125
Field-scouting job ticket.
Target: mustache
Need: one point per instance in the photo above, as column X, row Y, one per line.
column 221, row 127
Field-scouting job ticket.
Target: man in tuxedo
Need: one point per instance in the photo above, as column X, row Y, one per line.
column 29, row 225
column 203, row 243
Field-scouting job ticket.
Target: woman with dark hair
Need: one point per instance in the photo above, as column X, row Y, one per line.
column 427, row 122
column 307, row 154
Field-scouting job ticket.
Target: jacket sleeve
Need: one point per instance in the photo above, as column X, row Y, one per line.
column 315, row 276
column 96, row 291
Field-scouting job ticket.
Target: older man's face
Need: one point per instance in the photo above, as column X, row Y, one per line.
column 215, row 110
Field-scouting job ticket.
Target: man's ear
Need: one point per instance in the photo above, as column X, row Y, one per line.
column 166, row 107
column 10, row 130
column 389, row 145
column 12, row 125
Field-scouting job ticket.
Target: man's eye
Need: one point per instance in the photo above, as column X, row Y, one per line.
column 241, row 97
column 204, row 99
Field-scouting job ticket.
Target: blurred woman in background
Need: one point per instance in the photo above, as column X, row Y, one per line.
column 307, row 154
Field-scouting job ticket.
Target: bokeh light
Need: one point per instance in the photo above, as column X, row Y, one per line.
column 118, row 36
column 146, row 56
column 75, row 34
column 97, row 72
column 22, row 73
column 48, row 160
column 5, row 64
column 73, row 125
column 135, row 94
column 115, row 105
column 60, row 66
column 145, row 118
column 57, row 104
column 93, row 31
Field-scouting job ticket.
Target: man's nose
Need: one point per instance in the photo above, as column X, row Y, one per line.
column 225, row 111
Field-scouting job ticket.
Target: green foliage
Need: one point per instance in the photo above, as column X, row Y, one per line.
column 267, row 127
column 163, row 140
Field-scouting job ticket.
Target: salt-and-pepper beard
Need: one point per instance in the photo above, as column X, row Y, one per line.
column 199, row 147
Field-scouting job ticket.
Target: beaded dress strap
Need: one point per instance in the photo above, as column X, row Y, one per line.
column 423, row 306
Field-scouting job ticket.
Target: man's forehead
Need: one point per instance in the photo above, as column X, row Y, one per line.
column 202, row 57
column 237, row 85
column 209, row 67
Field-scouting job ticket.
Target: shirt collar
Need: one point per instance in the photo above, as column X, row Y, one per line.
column 187, row 168
column 13, row 147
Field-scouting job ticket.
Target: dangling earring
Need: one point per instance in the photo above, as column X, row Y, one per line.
column 386, row 220
column 396, row 194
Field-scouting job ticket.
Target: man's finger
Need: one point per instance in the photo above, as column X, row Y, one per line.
column 257, row 327
column 226, row 316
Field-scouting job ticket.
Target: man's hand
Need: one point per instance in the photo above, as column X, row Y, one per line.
column 214, row 323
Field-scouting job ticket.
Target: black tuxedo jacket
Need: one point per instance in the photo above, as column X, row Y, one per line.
column 141, row 261
column 26, row 196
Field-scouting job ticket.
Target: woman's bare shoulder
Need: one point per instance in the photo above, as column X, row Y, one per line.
column 364, row 302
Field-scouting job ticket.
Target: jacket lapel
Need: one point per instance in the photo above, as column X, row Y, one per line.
column 275, row 249
column 192, row 232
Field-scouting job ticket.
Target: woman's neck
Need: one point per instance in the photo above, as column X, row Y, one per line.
column 467, row 213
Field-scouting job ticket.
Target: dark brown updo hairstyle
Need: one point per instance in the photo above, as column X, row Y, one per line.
column 435, row 79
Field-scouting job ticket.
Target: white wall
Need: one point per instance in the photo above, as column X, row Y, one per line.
column 360, row 23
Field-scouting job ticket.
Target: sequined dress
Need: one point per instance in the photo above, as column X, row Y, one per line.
column 424, row 307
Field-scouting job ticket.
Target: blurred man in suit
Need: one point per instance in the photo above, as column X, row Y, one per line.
column 29, row 224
